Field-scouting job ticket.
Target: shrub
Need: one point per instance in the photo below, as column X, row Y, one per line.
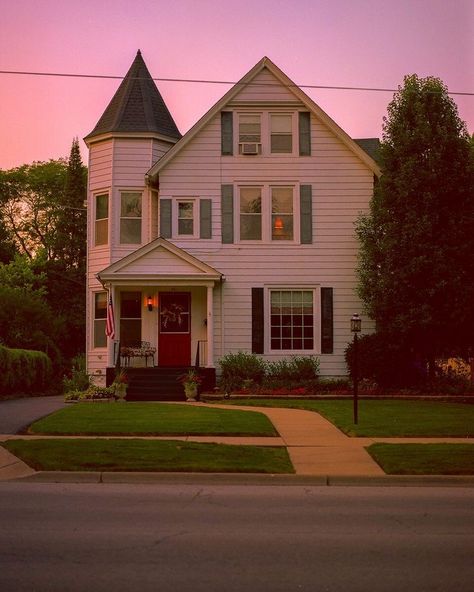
column 93, row 392
column 241, row 368
column 24, row 371
column 79, row 380
column 383, row 360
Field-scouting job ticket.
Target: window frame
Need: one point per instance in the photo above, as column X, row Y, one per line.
column 135, row 319
column 96, row 320
column 96, row 195
column 266, row 214
column 293, row 132
column 316, row 301
column 122, row 192
column 239, row 142
column 175, row 216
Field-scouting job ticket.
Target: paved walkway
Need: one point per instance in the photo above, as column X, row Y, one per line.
column 315, row 446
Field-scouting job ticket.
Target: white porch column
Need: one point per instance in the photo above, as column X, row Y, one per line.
column 210, row 327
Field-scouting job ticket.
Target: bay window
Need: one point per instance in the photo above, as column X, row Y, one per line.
column 130, row 217
column 101, row 227
column 100, row 316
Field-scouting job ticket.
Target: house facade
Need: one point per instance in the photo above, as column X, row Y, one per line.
column 238, row 236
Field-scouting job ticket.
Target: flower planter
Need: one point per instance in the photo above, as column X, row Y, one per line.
column 191, row 391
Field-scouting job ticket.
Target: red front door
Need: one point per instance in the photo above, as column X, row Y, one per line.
column 174, row 339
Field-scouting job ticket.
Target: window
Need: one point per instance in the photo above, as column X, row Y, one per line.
column 130, row 319
column 100, row 315
column 291, row 320
column 282, row 213
column 281, row 135
column 250, row 213
column 130, row 218
column 101, row 219
column 266, row 213
column 186, row 224
column 250, row 136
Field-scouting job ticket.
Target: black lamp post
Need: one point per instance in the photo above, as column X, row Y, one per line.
column 356, row 326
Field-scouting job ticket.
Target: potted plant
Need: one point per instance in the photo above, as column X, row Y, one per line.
column 191, row 381
column 120, row 384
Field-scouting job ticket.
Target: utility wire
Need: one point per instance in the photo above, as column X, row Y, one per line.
column 227, row 82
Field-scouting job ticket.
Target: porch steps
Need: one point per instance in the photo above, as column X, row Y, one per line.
column 154, row 384
column 160, row 383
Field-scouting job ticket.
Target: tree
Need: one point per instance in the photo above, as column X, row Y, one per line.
column 42, row 206
column 416, row 265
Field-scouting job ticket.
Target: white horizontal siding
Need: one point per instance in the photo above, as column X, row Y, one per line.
column 264, row 87
column 342, row 187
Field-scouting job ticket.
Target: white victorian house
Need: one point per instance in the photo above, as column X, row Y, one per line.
column 238, row 235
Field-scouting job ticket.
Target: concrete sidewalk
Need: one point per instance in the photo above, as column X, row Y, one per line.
column 317, row 449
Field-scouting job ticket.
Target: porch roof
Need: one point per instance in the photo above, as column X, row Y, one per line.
column 157, row 262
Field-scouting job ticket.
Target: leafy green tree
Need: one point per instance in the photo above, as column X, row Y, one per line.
column 416, row 266
column 42, row 207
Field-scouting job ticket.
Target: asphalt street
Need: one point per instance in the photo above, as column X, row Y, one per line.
column 180, row 538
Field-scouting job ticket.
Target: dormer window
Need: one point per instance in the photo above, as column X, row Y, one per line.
column 250, row 134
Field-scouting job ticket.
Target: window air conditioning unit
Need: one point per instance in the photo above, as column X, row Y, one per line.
column 250, row 148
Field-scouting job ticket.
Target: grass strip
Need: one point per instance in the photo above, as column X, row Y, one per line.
column 152, row 419
column 148, row 455
column 386, row 418
column 424, row 459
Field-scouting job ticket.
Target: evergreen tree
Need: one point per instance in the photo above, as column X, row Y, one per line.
column 416, row 266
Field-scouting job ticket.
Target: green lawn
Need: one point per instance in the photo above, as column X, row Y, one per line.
column 386, row 417
column 424, row 459
column 152, row 419
column 148, row 455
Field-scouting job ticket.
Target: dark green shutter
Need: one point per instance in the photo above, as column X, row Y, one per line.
column 227, row 136
column 306, row 214
column 227, row 212
column 165, row 218
column 205, row 220
column 327, row 331
column 304, row 125
column 257, row 320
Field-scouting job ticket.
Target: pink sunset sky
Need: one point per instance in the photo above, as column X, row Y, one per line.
column 362, row 43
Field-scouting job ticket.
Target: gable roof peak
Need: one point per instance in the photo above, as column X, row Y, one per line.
column 137, row 106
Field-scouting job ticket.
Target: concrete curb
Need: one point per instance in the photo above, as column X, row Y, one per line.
column 146, row 478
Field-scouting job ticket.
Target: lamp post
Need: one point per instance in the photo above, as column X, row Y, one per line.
column 356, row 326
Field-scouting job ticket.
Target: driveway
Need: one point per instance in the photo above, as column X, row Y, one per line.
column 17, row 414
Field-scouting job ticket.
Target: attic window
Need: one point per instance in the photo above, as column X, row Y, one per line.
column 281, row 141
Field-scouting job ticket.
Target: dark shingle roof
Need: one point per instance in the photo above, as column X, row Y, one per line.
column 371, row 146
column 137, row 106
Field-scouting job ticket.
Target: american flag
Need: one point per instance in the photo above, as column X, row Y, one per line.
column 110, row 323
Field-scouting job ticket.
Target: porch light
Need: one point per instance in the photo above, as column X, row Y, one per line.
column 356, row 323
column 150, row 303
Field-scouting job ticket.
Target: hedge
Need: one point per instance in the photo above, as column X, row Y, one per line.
column 23, row 371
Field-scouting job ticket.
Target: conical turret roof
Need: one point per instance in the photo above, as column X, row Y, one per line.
column 137, row 106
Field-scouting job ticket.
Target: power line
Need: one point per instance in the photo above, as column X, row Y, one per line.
column 226, row 82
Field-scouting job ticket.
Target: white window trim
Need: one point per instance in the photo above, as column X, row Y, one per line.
column 316, row 289
column 265, row 132
column 93, row 320
column 174, row 217
column 294, row 134
column 119, row 216
column 267, row 214
column 95, row 195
